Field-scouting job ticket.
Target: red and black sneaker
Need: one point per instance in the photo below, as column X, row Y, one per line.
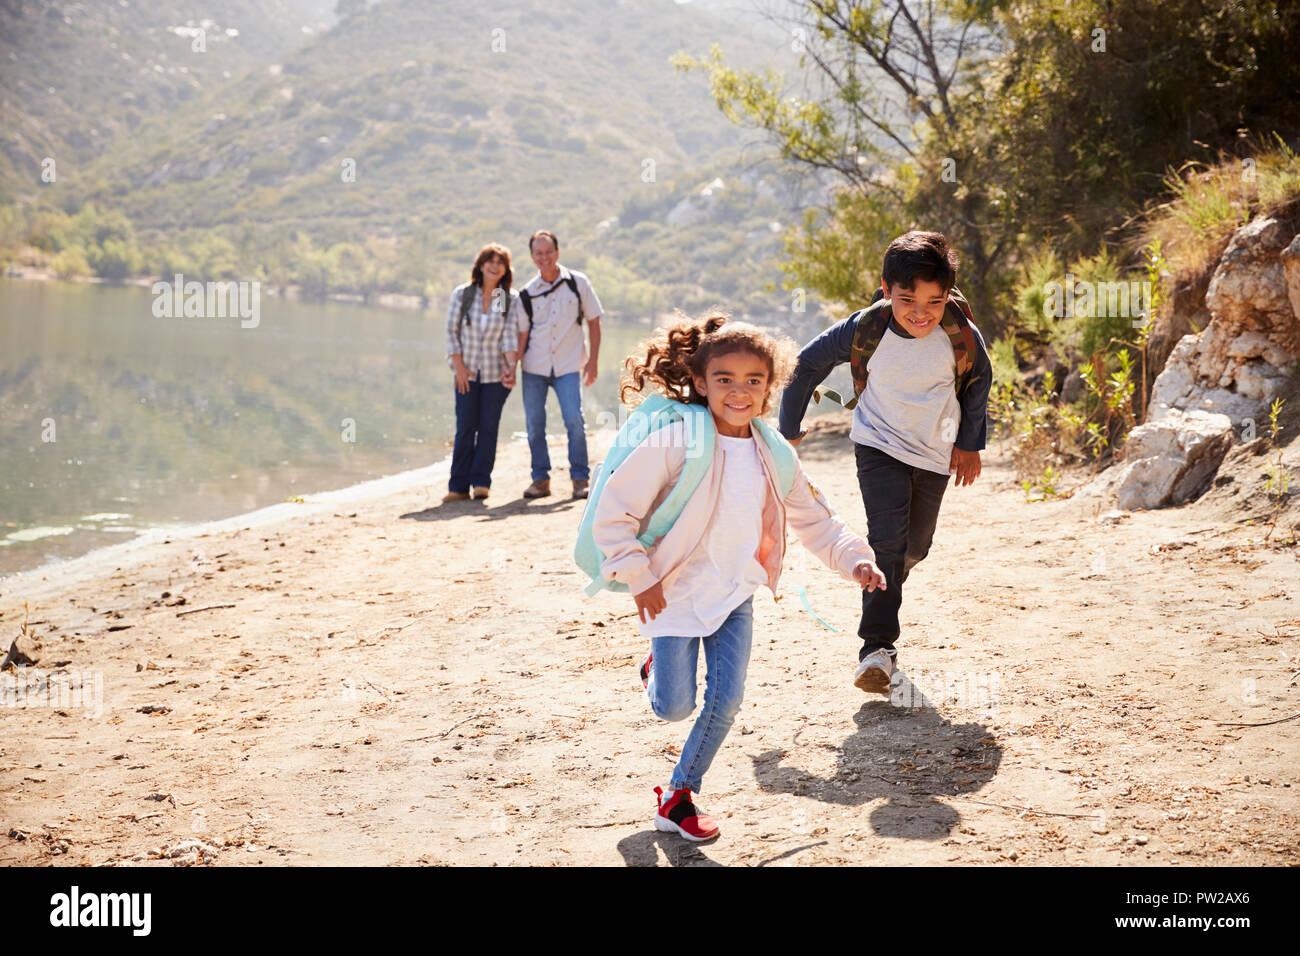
column 645, row 670
column 678, row 815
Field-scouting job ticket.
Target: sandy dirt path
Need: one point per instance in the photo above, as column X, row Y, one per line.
column 402, row 683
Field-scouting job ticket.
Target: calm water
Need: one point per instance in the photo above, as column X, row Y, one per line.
column 159, row 421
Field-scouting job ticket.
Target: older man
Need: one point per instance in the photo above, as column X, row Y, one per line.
column 559, row 304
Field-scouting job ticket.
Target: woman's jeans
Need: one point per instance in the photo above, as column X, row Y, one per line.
column 902, row 504
column 478, row 413
column 568, row 389
column 672, row 689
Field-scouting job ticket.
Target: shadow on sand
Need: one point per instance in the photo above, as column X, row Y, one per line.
column 910, row 755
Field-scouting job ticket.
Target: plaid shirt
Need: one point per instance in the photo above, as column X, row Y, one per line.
column 482, row 341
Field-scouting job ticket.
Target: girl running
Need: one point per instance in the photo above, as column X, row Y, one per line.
column 694, row 585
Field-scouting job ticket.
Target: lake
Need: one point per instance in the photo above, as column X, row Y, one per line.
column 113, row 420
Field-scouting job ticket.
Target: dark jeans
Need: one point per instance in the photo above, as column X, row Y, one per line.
column 902, row 508
column 478, row 413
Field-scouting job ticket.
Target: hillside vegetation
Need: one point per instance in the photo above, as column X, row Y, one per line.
column 383, row 152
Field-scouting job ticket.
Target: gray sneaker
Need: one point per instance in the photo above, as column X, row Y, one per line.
column 874, row 673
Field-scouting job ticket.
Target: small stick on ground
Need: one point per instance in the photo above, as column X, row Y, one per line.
column 195, row 610
column 459, row 722
column 1267, row 723
column 1007, row 806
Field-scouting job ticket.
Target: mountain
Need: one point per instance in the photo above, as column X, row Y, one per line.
column 78, row 76
column 384, row 151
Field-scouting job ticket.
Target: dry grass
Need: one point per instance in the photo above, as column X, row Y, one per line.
column 1210, row 202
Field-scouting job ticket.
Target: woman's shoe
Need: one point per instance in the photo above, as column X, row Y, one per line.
column 645, row 670
column 678, row 815
column 479, row 492
column 455, row 496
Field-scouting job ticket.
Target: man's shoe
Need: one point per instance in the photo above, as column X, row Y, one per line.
column 645, row 670
column 678, row 815
column 874, row 673
column 479, row 492
column 538, row 489
column 455, row 496
column 580, row 487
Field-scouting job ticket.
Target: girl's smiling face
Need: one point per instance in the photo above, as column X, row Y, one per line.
column 736, row 387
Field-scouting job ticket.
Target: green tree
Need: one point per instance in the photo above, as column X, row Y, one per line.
column 1009, row 125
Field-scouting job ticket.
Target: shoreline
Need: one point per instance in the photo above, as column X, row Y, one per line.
column 135, row 551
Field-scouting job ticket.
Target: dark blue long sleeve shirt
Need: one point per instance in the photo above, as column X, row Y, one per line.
column 834, row 346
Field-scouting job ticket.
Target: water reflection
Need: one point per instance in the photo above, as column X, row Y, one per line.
column 113, row 420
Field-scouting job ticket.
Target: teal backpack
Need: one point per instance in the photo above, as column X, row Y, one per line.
column 654, row 413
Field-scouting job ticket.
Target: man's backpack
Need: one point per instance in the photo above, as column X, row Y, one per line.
column 527, row 299
column 871, row 324
column 654, row 413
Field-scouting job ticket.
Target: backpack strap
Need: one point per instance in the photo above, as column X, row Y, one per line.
column 957, row 323
column 573, row 287
column 783, row 454
column 702, row 437
column 467, row 302
column 527, row 301
column 654, row 413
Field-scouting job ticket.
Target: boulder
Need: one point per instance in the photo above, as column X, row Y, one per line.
column 1173, row 460
column 1243, row 358
column 23, row 652
column 1249, row 286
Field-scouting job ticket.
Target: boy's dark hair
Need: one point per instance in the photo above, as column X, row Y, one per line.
column 920, row 255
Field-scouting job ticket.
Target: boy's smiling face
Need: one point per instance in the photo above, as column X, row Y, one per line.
column 918, row 309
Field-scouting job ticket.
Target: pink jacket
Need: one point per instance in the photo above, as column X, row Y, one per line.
column 647, row 475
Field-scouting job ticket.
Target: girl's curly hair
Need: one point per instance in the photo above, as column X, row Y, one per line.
column 675, row 355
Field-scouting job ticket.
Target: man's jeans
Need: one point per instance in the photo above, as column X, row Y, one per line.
column 478, row 415
column 902, row 509
column 672, row 689
column 568, row 389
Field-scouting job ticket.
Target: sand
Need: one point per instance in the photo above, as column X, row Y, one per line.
column 398, row 682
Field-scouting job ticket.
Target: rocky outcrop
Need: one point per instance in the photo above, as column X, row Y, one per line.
column 1218, row 380
column 1242, row 359
column 1185, row 314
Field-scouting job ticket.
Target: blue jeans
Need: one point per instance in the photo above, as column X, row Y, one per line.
column 672, row 688
column 902, row 504
column 568, row 389
column 478, row 413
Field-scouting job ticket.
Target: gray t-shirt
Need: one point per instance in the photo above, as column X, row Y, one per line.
column 909, row 408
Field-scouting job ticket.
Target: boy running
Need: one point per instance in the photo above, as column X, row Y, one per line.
column 921, row 378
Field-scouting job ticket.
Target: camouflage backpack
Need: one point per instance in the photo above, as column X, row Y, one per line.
column 871, row 323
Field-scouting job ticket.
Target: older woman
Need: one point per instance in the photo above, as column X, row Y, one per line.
column 484, row 323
